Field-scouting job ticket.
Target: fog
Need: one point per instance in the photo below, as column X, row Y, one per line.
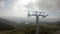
column 19, row 8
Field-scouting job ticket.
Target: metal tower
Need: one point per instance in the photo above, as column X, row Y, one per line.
column 37, row 14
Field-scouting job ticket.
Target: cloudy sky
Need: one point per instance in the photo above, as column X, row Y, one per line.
column 19, row 8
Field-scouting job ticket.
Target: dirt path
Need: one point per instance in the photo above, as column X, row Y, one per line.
column 57, row 32
column 4, row 32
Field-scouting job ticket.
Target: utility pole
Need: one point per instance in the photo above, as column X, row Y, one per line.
column 37, row 14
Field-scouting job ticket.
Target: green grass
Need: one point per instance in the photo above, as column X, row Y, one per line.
column 49, row 29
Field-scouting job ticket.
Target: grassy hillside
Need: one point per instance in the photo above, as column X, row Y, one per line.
column 22, row 28
column 50, row 29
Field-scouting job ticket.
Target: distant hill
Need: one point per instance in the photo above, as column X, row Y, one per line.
column 4, row 25
column 31, row 19
column 20, row 21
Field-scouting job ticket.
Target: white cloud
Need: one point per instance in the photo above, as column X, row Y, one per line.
column 14, row 8
column 48, row 4
column 19, row 8
column 2, row 4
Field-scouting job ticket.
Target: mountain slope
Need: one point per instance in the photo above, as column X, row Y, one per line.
column 4, row 25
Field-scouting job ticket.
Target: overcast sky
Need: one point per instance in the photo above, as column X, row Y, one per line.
column 19, row 8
